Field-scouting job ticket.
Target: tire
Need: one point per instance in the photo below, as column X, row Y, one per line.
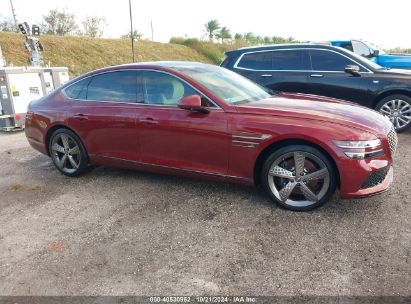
column 398, row 109
column 68, row 153
column 278, row 176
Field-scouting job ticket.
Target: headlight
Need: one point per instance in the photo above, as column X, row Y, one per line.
column 361, row 149
column 360, row 144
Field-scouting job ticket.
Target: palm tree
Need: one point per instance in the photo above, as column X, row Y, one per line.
column 251, row 38
column 211, row 27
column 224, row 34
column 238, row 36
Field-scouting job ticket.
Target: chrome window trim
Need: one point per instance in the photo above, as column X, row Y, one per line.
column 139, row 103
column 293, row 49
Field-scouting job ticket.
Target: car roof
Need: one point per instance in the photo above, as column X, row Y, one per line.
column 281, row 46
column 161, row 65
column 166, row 64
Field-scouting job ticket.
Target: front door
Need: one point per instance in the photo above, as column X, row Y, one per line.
column 329, row 79
column 177, row 138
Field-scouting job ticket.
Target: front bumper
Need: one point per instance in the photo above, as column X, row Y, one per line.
column 369, row 176
column 374, row 190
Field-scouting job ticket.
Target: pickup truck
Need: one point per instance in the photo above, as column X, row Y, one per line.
column 394, row 61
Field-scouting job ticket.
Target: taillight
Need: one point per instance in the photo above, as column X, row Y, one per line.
column 29, row 115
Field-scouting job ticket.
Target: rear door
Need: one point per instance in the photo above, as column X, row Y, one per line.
column 280, row 70
column 103, row 112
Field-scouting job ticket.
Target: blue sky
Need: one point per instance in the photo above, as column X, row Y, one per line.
column 384, row 23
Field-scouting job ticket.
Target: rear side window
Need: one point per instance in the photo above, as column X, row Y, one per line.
column 323, row 60
column 295, row 60
column 256, row 61
column 77, row 90
column 118, row 86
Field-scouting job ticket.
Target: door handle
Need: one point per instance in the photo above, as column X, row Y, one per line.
column 80, row 117
column 266, row 75
column 316, row 75
column 149, row 121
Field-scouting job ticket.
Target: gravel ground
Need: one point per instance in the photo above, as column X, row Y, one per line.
column 119, row 232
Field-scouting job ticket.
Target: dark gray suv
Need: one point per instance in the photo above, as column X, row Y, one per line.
column 327, row 71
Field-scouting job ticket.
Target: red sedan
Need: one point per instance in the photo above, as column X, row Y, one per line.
column 201, row 120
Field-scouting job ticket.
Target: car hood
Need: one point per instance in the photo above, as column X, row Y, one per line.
column 319, row 108
column 396, row 72
column 393, row 58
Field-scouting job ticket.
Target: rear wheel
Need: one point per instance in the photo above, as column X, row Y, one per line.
column 68, row 153
column 299, row 177
column 398, row 109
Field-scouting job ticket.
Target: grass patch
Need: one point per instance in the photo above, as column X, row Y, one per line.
column 83, row 54
column 214, row 52
column 23, row 187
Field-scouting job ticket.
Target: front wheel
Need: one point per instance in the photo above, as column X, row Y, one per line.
column 398, row 109
column 68, row 153
column 299, row 177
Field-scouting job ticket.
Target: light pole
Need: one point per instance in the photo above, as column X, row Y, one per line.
column 14, row 14
column 131, row 29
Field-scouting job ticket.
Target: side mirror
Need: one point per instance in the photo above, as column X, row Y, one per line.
column 192, row 103
column 352, row 69
column 376, row 53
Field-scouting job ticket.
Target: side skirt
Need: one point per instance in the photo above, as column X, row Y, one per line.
column 131, row 164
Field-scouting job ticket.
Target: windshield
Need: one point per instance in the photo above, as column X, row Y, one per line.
column 374, row 47
column 227, row 85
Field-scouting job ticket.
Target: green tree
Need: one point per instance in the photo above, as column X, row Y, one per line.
column 291, row 40
column 278, row 40
column 8, row 25
column 251, row 38
column 94, row 26
column 137, row 35
column 211, row 28
column 59, row 22
column 238, row 36
column 224, row 34
column 267, row 40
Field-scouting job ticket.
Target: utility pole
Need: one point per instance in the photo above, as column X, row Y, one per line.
column 131, row 30
column 152, row 31
column 14, row 14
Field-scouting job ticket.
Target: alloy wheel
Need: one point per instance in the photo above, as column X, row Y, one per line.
column 66, row 153
column 398, row 111
column 298, row 179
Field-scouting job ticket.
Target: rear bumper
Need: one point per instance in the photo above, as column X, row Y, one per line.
column 38, row 145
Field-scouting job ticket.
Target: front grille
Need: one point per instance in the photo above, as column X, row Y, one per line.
column 392, row 140
column 375, row 178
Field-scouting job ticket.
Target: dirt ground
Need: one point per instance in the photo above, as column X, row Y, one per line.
column 118, row 232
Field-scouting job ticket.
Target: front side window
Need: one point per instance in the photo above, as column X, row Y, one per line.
column 323, row 60
column 259, row 61
column 164, row 89
column 293, row 60
column 120, row 86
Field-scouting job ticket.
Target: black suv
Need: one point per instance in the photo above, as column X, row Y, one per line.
column 328, row 71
